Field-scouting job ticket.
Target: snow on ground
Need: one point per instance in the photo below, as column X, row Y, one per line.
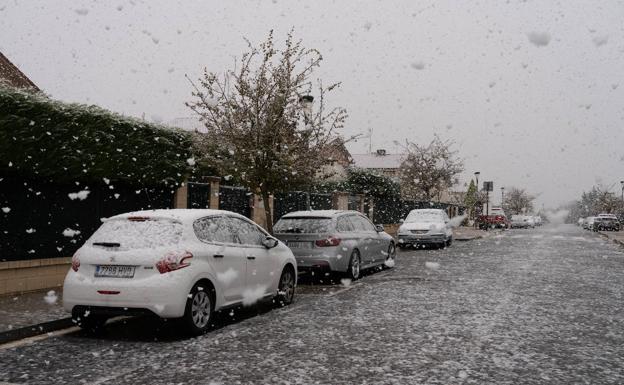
column 529, row 311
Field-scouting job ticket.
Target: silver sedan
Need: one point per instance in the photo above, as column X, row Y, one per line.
column 335, row 241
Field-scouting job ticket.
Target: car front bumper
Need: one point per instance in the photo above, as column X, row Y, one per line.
column 411, row 239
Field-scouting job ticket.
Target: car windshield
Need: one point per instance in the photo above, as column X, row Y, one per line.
column 424, row 216
column 303, row 225
column 123, row 234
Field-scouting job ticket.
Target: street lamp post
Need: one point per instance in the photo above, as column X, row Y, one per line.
column 622, row 184
column 502, row 196
column 476, row 174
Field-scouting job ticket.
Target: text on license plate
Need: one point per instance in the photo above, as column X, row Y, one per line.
column 115, row 271
column 300, row 245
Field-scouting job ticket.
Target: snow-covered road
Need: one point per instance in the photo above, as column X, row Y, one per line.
column 524, row 306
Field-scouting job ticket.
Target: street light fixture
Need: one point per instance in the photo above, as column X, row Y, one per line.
column 306, row 102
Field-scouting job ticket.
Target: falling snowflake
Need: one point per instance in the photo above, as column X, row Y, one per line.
column 81, row 195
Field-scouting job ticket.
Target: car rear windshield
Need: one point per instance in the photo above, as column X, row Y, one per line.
column 124, row 234
column 302, row 225
column 424, row 216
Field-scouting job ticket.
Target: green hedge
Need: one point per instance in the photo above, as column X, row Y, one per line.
column 62, row 142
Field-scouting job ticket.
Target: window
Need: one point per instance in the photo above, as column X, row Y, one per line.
column 362, row 224
column 344, row 225
column 247, row 233
column 307, row 225
column 214, row 229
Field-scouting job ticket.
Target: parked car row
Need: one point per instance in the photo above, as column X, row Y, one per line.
column 602, row 222
column 187, row 264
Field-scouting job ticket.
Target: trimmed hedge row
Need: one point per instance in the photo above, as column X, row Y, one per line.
column 62, row 142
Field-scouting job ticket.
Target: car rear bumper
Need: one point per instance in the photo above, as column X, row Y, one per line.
column 326, row 259
column 158, row 294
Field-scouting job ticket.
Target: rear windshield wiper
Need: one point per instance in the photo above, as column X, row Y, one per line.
column 107, row 244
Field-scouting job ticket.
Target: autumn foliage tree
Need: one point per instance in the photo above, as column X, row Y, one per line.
column 429, row 169
column 260, row 130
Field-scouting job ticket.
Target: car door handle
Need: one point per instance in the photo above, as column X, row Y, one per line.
column 218, row 256
column 251, row 257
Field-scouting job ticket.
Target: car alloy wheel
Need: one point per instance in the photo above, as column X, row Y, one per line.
column 286, row 288
column 200, row 309
column 354, row 266
column 390, row 257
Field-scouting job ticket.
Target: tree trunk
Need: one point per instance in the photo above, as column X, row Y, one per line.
column 267, row 211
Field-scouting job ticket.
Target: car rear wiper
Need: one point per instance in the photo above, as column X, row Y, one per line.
column 107, row 244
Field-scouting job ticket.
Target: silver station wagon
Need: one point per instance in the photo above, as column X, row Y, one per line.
column 335, row 241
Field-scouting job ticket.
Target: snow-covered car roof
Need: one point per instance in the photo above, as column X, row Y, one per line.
column 317, row 213
column 178, row 215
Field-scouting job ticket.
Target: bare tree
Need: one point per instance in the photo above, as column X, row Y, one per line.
column 429, row 169
column 517, row 201
column 259, row 128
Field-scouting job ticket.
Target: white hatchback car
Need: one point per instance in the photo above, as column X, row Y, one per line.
column 176, row 264
column 426, row 226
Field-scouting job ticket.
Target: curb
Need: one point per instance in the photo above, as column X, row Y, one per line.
column 34, row 330
column 468, row 239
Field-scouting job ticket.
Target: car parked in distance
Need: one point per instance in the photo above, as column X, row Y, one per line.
column 495, row 219
column 606, row 222
column 337, row 241
column 519, row 222
column 182, row 263
column 589, row 223
column 425, row 227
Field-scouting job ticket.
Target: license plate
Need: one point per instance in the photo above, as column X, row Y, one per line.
column 300, row 245
column 114, row 271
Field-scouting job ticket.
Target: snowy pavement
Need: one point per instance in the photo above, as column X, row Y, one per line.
column 540, row 306
column 21, row 310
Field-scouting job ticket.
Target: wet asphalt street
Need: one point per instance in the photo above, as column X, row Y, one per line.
column 541, row 306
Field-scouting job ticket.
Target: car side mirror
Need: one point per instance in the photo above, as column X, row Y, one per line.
column 401, row 221
column 270, row 242
column 379, row 228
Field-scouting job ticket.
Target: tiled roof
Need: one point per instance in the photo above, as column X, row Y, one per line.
column 12, row 76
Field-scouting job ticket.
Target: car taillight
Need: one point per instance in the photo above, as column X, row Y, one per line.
column 328, row 242
column 173, row 261
column 75, row 263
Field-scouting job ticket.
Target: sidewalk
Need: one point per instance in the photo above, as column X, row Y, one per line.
column 464, row 233
column 30, row 314
column 614, row 236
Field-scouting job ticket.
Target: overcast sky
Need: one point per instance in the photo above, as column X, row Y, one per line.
column 531, row 91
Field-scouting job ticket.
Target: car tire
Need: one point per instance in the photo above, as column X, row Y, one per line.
column 390, row 257
column 90, row 323
column 449, row 242
column 286, row 288
column 199, row 310
column 355, row 264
